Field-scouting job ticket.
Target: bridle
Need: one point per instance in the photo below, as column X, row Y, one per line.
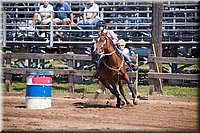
column 109, row 54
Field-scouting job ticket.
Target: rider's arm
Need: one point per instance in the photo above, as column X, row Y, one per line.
column 126, row 52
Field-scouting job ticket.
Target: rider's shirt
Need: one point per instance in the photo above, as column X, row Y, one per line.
column 110, row 34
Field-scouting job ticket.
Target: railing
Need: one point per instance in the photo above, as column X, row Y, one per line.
column 154, row 75
column 180, row 25
column 8, row 69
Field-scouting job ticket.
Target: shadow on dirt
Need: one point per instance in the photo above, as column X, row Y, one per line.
column 91, row 105
column 20, row 106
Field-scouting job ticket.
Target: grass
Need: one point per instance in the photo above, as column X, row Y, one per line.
column 85, row 89
column 181, row 91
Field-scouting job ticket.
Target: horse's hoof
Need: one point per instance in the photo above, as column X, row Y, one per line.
column 122, row 103
column 107, row 102
column 118, row 105
column 135, row 101
column 127, row 103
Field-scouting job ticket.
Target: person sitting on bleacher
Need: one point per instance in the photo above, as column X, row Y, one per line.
column 90, row 16
column 43, row 16
column 64, row 17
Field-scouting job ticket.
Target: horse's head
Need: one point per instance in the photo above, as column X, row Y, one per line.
column 102, row 45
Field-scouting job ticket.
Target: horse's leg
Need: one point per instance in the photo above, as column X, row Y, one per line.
column 122, row 91
column 113, row 90
column 134, row 93
column 132, row 89
column 119, row 101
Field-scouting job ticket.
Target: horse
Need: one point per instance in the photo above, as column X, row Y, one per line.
column 112, row 69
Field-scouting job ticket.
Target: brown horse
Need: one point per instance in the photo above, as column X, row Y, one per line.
column 112, row 69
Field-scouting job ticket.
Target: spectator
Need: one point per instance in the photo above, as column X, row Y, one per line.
column 43, row 16
column 90, row 16
column 64, row 17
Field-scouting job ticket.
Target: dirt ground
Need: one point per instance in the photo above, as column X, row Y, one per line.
column 71, row 113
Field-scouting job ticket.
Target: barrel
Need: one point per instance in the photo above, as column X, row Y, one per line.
column 38, row 89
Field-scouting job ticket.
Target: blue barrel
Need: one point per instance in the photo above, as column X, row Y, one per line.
column 38, row 89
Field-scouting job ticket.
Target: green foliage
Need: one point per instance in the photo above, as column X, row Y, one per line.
column 193, row 71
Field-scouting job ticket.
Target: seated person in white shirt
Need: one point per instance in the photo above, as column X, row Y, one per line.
column 90, row 16
column 43, row 16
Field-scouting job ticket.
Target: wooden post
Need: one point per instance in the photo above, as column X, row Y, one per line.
column 134, row 59
column 8, row 77
column 151, row 81
column 157, row 13
column 173, row 53
column 136, row 78
column 35, row 61
column 70, row 77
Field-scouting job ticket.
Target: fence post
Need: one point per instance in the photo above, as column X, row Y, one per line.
column 8, row 77
column 71, row 76
column 136, row 75
column 173, row 66
column 157, row 14
column 151, row 81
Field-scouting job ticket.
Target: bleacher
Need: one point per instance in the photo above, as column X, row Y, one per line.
column 130, row 19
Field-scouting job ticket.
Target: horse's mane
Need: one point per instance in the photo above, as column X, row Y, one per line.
column 115, row 48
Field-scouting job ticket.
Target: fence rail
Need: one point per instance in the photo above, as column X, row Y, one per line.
column 173, row 76
column 71, row 71
column 153, row 75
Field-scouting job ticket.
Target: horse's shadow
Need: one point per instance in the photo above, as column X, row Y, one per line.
column 21, row 106
column 92, row 105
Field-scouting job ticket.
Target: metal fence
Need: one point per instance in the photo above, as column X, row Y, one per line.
column 131, row 20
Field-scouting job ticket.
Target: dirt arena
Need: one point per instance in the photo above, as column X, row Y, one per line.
column 71, row 113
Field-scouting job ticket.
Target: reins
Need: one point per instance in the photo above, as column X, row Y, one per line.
column 115, row 68
column 111, row 68
column 107, row 54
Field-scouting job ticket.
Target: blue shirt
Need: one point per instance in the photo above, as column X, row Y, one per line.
column 63, row 7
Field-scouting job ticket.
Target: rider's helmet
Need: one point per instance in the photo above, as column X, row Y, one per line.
column 101, row 23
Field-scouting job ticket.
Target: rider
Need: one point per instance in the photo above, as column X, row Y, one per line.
column 103, row 30
column 126, row 52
